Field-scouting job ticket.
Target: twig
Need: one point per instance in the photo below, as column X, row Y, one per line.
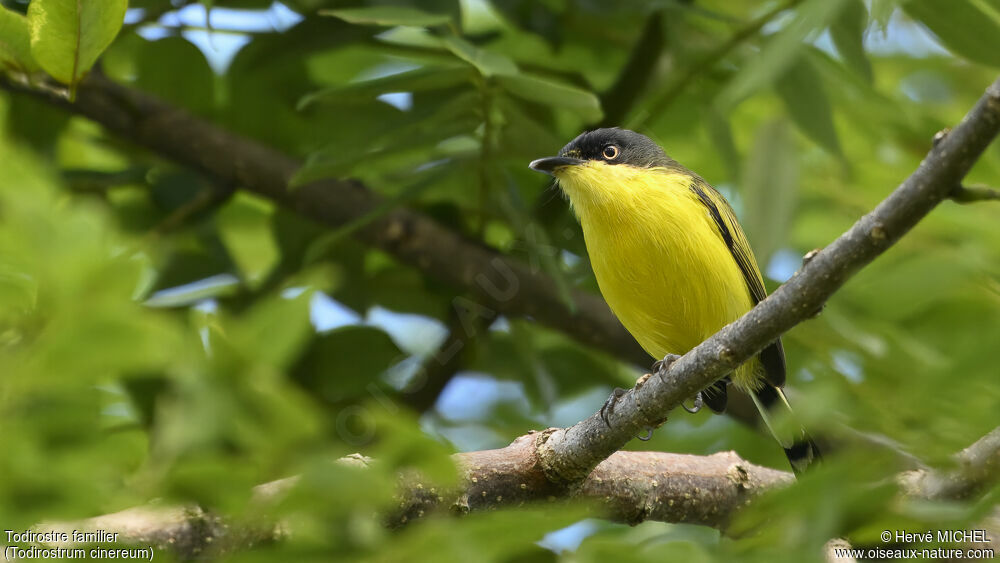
column 973, row 193
column 976, row 466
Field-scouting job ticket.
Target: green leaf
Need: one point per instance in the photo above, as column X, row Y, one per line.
column 524, row 135
column 176, row 70
column 554, row 94
column 881, row 12
column 801, row 88
column 454, row 118
column 245, row 228
column 339, row 365
column 780, row 52
column 274, row 331
column 848, row 34
column 15, row 41
column 486, row 62
column 417, row 80
column 970, row 29
column 388, row 16
column 67, row 36
column 721, row 135
column 770, row 184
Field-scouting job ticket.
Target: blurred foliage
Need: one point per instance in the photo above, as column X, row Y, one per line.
column 159, row 342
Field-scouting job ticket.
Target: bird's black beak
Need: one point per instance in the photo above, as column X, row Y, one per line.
column 548, row 165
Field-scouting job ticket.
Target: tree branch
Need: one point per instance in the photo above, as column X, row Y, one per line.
column 627, row 486
column 976, row 466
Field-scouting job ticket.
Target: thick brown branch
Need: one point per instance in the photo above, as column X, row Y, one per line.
column 628, row 486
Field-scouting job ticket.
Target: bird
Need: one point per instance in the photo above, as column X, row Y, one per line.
column 672, row 262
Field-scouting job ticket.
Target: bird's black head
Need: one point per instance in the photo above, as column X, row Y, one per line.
column 612, row 146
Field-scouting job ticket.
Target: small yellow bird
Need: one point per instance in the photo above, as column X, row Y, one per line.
column 671, row 260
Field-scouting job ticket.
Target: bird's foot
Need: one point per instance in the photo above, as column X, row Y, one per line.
column 660, row 367
column 608, row 408
column 698, row 403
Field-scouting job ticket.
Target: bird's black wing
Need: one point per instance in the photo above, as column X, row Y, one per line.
column 772, row 357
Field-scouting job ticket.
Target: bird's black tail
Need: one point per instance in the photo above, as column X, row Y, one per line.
column 800, row 449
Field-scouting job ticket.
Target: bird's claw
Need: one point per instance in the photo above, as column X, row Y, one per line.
column 649, row 434
column 608, row 408
column 660, row 367
column 699, row 401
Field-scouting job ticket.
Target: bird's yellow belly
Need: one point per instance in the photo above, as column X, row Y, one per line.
column 673, row 286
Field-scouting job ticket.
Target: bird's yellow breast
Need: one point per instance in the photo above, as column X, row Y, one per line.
column 659, row 258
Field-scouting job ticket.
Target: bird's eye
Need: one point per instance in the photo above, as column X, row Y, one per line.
column 610, row 152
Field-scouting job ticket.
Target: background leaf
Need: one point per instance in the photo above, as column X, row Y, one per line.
column 971, row 29
column 770, row 186
column 15, row 41
column 801, row 88
column 486, row 62
column 68, row 36
column 781, row 50
column 553, row 94
column 245, row 228
column 848, row 34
